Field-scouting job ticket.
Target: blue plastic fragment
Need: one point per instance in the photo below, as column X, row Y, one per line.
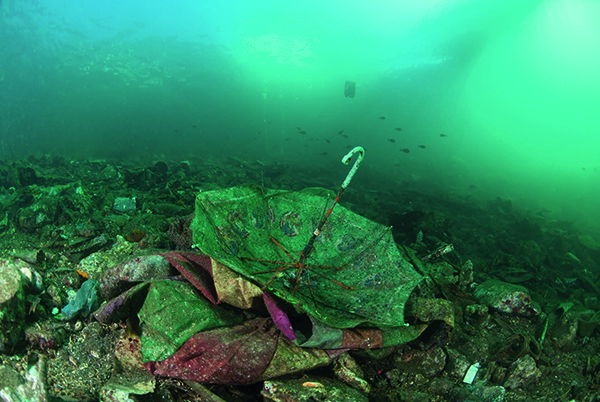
column 86, row 300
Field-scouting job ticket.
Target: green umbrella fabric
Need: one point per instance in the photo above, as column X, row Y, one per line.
column 354, row 274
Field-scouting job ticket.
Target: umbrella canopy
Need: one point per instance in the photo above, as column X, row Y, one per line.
column 353, row 274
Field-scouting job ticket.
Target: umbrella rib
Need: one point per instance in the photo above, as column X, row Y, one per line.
column 282, row 249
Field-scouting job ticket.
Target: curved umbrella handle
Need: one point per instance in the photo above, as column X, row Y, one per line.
column 346, row 160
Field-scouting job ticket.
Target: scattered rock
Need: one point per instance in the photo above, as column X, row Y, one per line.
column 522, row 373
column 12, row 304
column 27, row 386
column 124, row 204
column 506, row 297
column 345, row 369
column 310, row 389
column 427, row 362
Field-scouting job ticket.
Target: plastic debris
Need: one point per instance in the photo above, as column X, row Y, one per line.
column 129, row 273
column 172, row 313
column 233, row 355
column 349, row 89
column 86, row 301
column 471, row 373
column 355, row 273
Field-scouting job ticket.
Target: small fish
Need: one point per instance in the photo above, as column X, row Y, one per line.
column 302, row 132
column 340, row 132
column 391, row 140
column 381, row 117
column 327, row 141
column 421, row 146
column 193, row 126
column 323, row 153
column 472, row 187
column 298, row 128
column 398, row 128
column 349, row 146
column 344, row 135
column 405, row 150
column 443, row 135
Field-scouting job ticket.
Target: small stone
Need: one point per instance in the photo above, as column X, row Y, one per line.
column 347, row 370
column 499, row 375
column 522, row 373
column 41, row 213
column 310, row 389
column 108, row 173
column 506, row 297
column 457, row 364
column 489, row 394
column 12, row 303
column 440, row 386
column 589, row 242
column 426, row 362
column 465, row 278
column 26, row 386
column 564, row 333
column 124, row 204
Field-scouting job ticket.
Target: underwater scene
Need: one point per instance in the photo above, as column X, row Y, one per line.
column 299, row 201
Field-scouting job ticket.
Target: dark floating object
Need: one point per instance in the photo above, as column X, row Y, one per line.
column 193, row 126
column 443, row 135
column 327, row 141
column 405, row 150
column 398, row 128
column 349, row 89
column 298, row 128
column 349, row 146
column 421, row 146
column 381, row 117
column 391, row 140
column 302, row 132
column 344, row 135
column 340, row 132
column 472, row 187
column 323, row 153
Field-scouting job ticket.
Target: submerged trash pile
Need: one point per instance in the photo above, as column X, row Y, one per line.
column 285, row 296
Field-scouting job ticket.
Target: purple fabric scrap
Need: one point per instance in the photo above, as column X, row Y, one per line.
column 279, row 317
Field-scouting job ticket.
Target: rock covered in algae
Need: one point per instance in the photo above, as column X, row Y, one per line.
column 506, row 298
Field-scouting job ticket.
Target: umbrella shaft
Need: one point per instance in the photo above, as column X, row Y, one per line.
column 311, row 243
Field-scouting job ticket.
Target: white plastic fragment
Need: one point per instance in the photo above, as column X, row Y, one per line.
column 471, row 373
